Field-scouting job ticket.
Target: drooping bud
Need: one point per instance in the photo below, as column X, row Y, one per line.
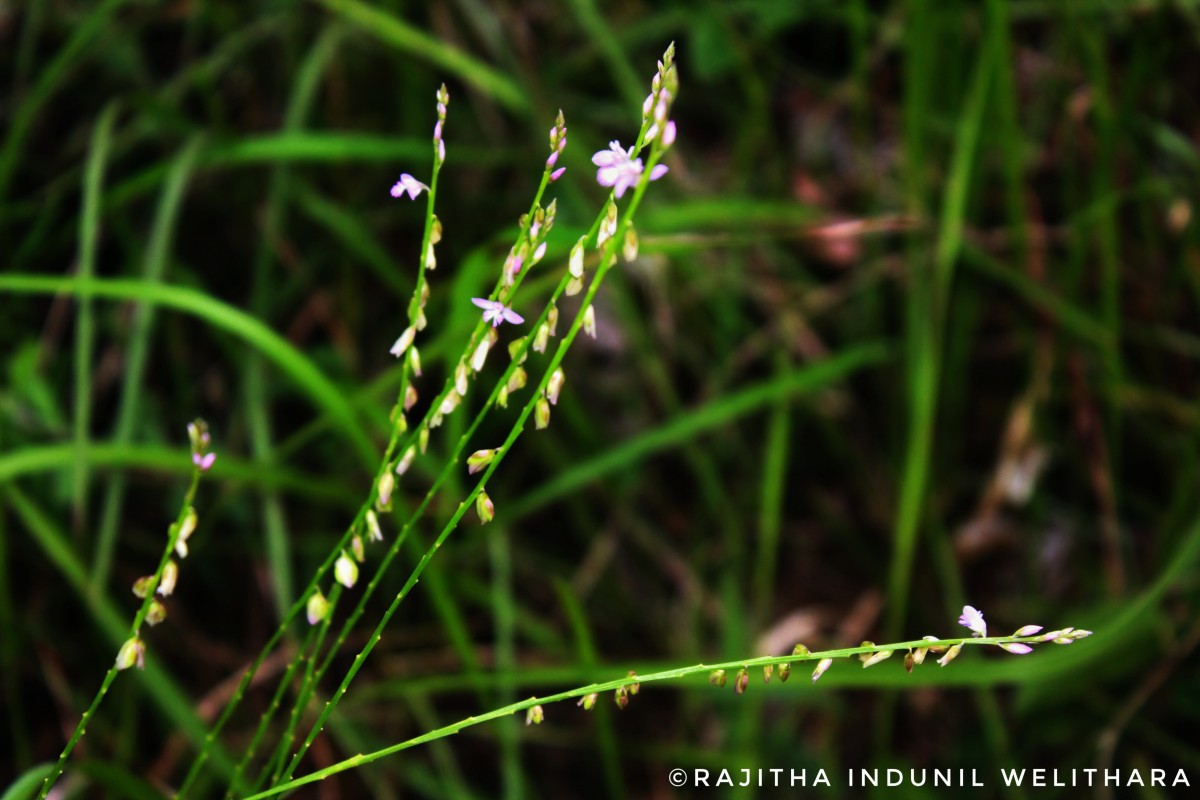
column 143, row 586
column 480, row 459
column 785, row 672
column 589, row 321
column 481, row 354
column 484, row 508
column 541, row 338
column 634, row 687
column 574, row 286
column 621, row 697
column 575, row 264
column 414, row 361
column 410, row 397
column 717, row 678
column 822, row 665
column 534, row 715
column 404, row 342
column 383, row 490
column 1016, row 648
column 406, row 460
column 317, row 608
column 742, row 682
column 917, row 656
column 502, row 397
column 169, row 576
column 356, row 547
column 450, row 402
column 554, row 385
column 156, row 613
column 423, row 440
column 1028, row 630
column 552, row 320
column 874, row 658
column 951, row 654
column 346, row 571
column 541, row 414
column 538, row 254
column 588, row 701
column 517, row 380
column 190, row 519
column 460, row 383
column 630, row 248
column 133, row 652
column 608, row 226
column 435, row 232
column 516, row 351
column 768, row 671
column 374, row 532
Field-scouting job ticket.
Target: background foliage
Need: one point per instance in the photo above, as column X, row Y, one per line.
column 913, row 325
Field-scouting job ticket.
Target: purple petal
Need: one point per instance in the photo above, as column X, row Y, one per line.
column 484, row 303
column 558, row 173
column 605, row 158
column 1016, row 648
column 1028, row 630
column 512, row 316
column 658, row 171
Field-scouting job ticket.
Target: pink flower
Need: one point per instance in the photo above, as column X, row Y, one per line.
column 408, row 185
column 973, row 618
column 620, row 170
column 204, row 462
column 496, row 312
column 1016, row 648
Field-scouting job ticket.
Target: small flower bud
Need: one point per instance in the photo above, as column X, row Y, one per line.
column 406, row 461
column 575, row 264
column 541, row 338
column 133, row 652
column 634, row 687
column 630, row 249
column 356, row 547
column 435, row 236
column 1016, row 648
column 1028, row 630
column 156, row 613
column 574, row 286
column 558, row 173
column 874, row 658
column 717, row 678
column 621, row 697
column 668, row 134
column 203, row 462
column 768, row 671
column 933, row 648
column 822, row 665
column 515, row 352
column 450, row 402
column 143, row 586
column 918, row 656
column 541, row 414
column 552, row 320
column 414, row 361
column 538, row 254
column 410, row 397
column 374, row 532
column 785, row 672
column 318, row 607
column 1080, row 633
column 554, row 386
column 423, row 440
column 742, row 682
column 588, row 701
column 480, row 355
column 480, row 459
column 346, row 571
column 404, row 342
column 951, row 654
column 502, row 397
column 534, row 715
column 190, row 519
column 460, row 382
column 484, row 508
column 383, row 490
column 169, row 576
column 799, row 650
column 589, row 321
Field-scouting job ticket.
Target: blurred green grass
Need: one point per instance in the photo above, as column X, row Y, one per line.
column 904, row 252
